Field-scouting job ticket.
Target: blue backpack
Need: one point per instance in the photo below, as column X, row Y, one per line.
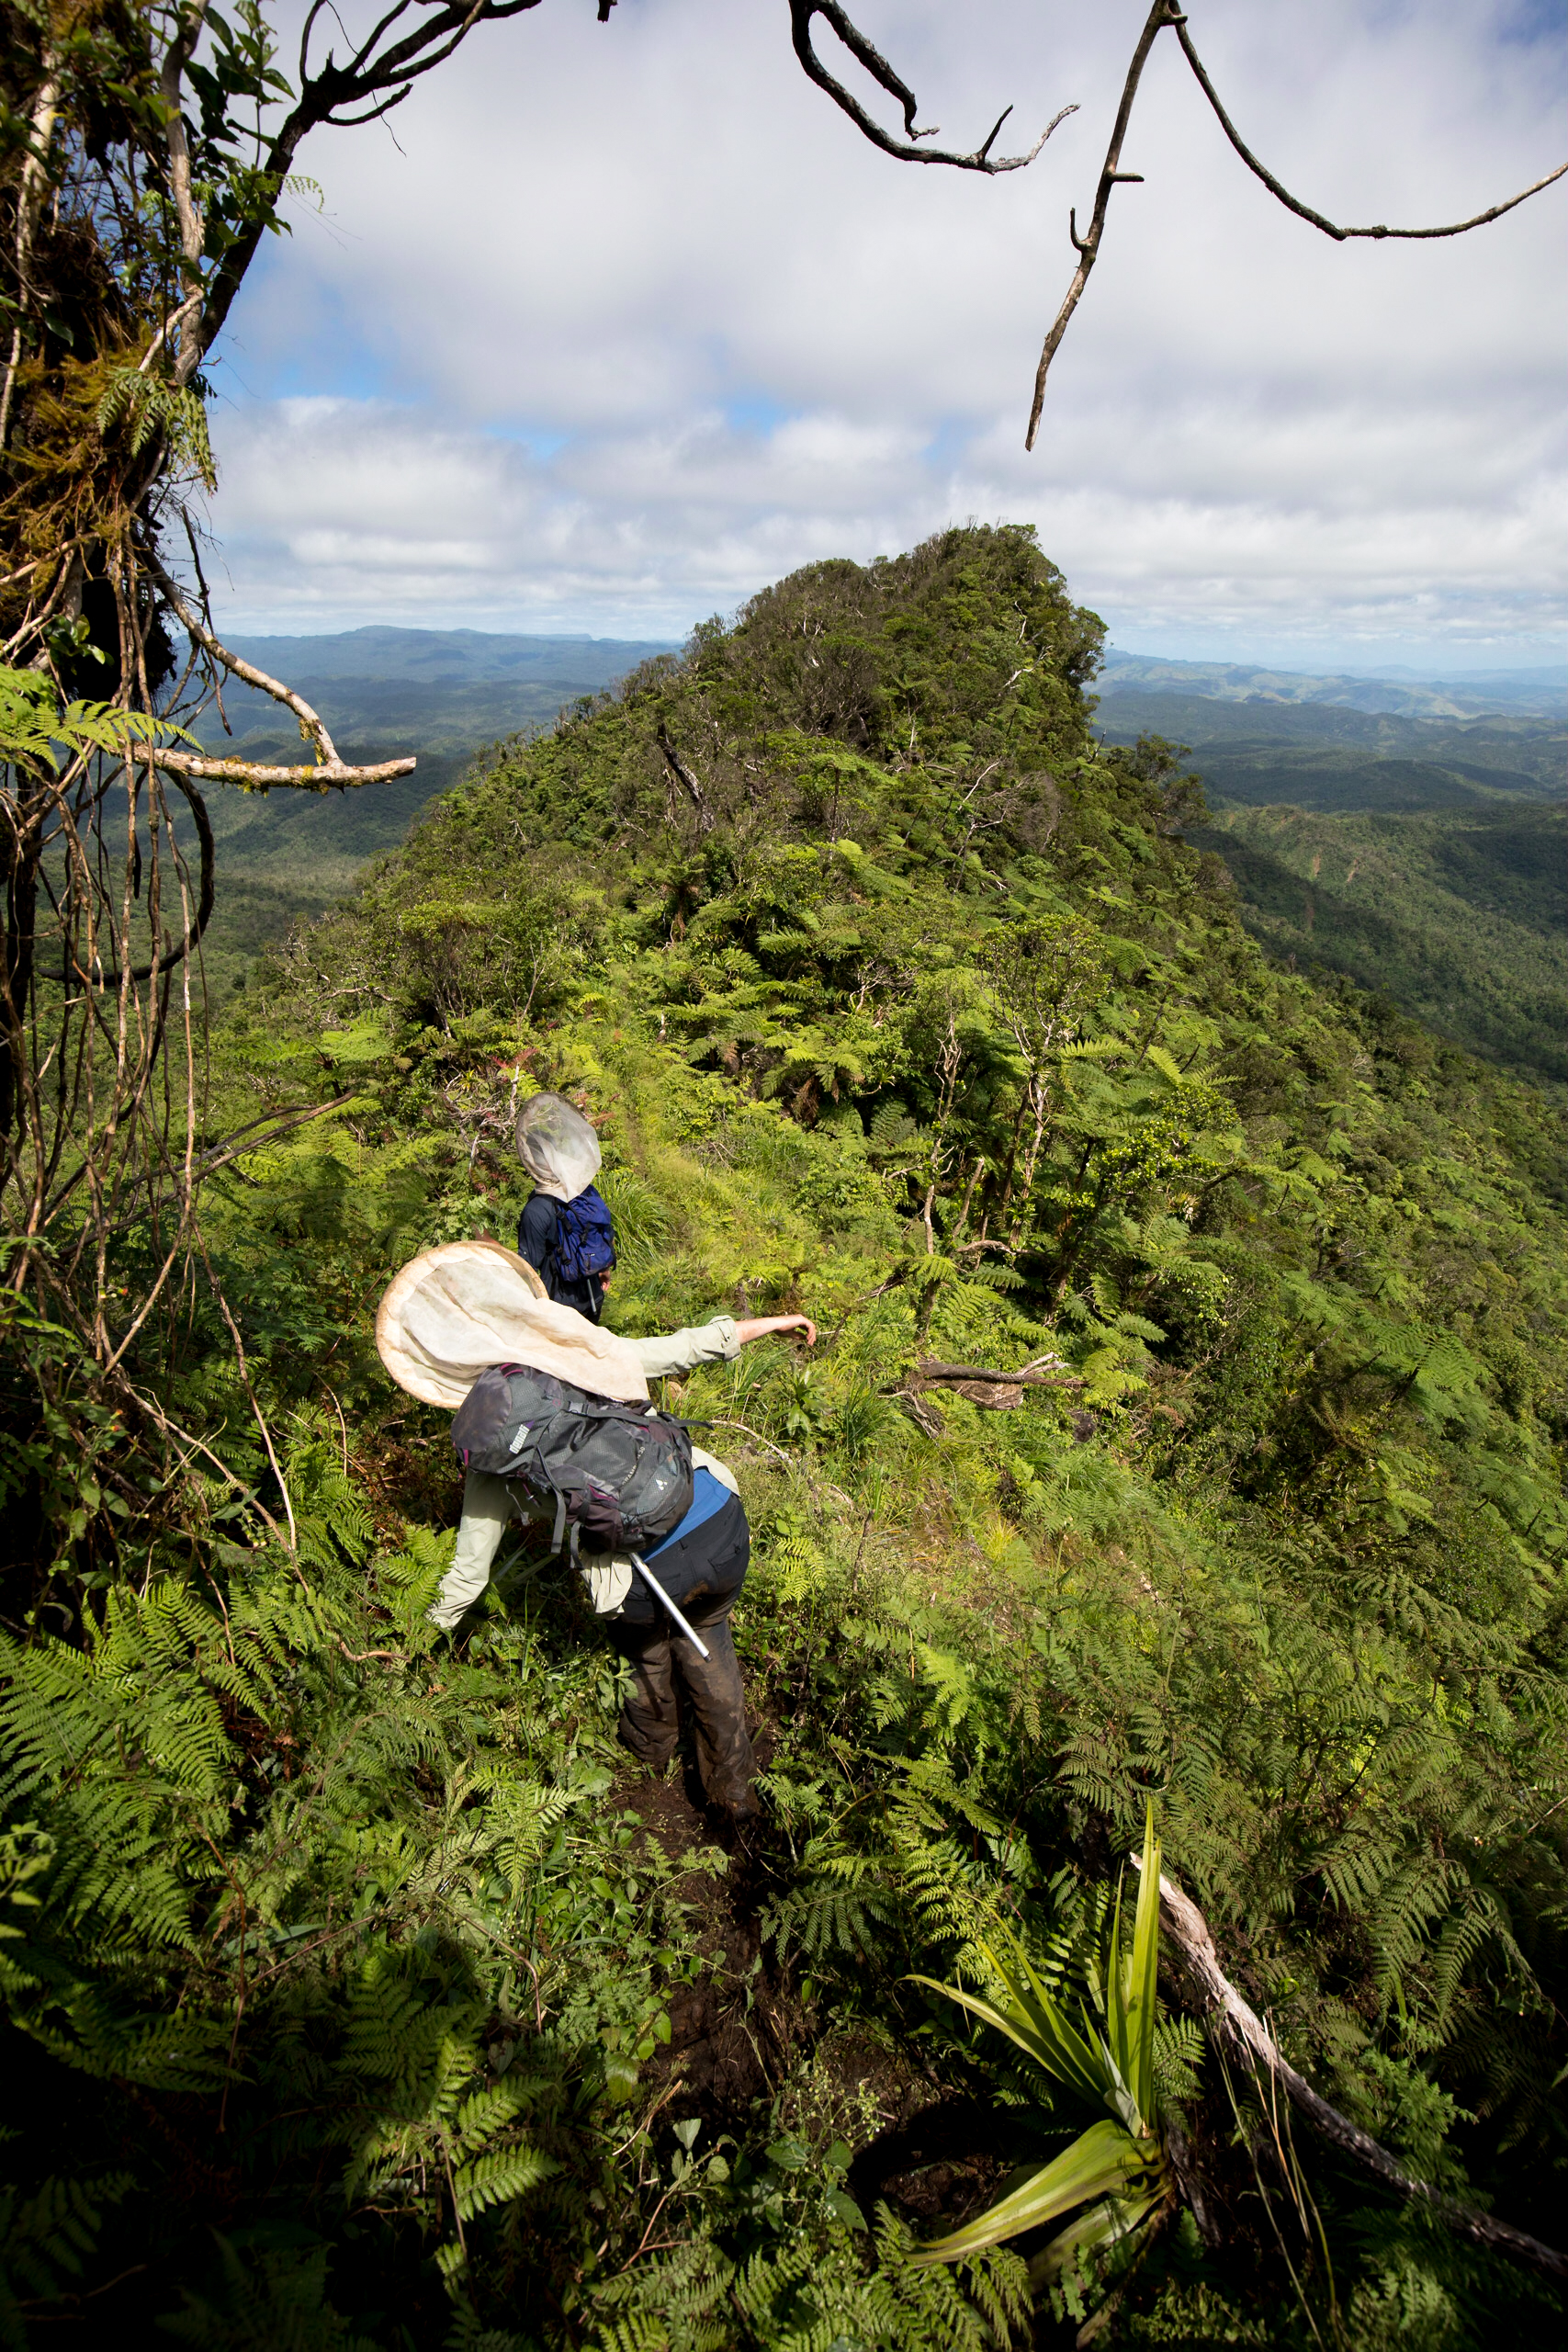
column 585, row 1238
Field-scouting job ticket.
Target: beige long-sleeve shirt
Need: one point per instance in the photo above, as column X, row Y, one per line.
column 491, row 1505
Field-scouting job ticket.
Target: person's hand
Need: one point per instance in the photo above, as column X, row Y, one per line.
column 759, row 1326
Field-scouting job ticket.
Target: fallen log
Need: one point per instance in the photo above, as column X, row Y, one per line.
column 928, row 1423
column 995, row 1392
column 1238, row 2027
column 992, row 1395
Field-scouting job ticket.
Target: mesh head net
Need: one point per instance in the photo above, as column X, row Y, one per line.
column 557, row 1147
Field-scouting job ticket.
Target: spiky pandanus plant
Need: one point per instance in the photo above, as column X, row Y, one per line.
column 1115, row 2178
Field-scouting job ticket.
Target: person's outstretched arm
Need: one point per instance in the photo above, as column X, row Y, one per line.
column 759, row 1326
column 713, row 1343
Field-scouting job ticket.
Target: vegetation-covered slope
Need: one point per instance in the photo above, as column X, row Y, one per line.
column 1461, row 917
column 1325, row 757
column 898, row 1000
column 1400, row 851
column 383, row 692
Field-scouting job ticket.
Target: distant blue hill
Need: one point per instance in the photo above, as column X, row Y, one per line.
column 1541, row 693
column 1339, row 742
column 449, row 657
column 429, row 691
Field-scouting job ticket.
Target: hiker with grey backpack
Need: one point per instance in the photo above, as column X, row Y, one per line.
column 554, row 1426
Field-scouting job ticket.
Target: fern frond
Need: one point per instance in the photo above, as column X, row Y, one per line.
column 146, row 408
column 499, row 2179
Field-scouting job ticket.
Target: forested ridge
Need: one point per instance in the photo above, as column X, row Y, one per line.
column 361, row 1992
column 1461, row 916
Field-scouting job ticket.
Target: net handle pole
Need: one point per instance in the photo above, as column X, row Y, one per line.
column 640, row 1565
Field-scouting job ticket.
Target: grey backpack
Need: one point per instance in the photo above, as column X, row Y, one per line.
column 618, row 1477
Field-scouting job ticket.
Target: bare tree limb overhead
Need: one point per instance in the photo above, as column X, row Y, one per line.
column 906, row 149
column 1163, row 14
column 1294, row 204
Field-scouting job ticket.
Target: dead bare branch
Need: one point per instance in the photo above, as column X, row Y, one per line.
column 199, row 628
column 1164, row 13
column 252, row 776
column 683, row 775
column 881, row 72
column 1111, row 174
column 1294, row 204
column 375, row 79
column 1237, row 2026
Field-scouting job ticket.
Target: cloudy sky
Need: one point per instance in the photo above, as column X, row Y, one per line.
column 612, row 325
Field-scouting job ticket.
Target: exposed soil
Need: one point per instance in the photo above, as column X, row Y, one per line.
column 734, row 2032
column 738, row 2032
column 942, row 2160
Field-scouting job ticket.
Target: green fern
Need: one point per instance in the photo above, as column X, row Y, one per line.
column 809, row 2298
column 46, row 2241
column 146, row 408
column 498, row 2179
column 264, row 2301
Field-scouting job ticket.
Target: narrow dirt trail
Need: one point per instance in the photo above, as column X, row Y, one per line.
column 743, row 2029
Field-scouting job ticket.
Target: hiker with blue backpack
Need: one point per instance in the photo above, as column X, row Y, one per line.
column 554, row 1425
column 565, row 1231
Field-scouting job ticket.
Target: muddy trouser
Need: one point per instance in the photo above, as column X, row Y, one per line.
column 702, row 1574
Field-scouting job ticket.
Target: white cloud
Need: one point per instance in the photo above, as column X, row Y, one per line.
column 634, row 321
